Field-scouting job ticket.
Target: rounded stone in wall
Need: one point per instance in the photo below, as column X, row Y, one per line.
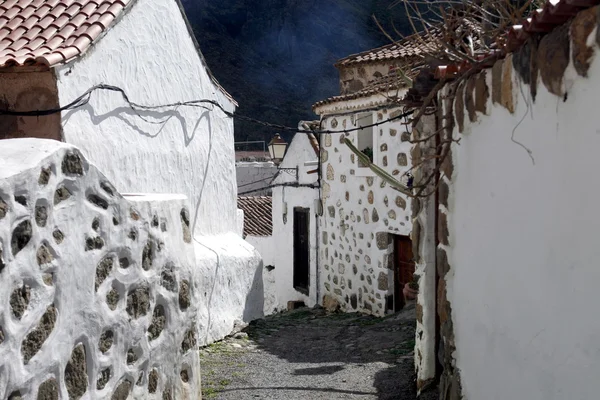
column 48, row 390
column 184, row 295
column 138, row 301
column 371, row 197
column 44, row 176
column 61, row 194
column 189, row 340
column 159, row 320
column 72, row 164
column 334, row 123
column 392, row 214
column 35, row 339
column 153, row 381
column 122, row 391
column 375, row 216
column 76, row 378
column 19, row 300
column 400, row 202
column 58, row 236
column 44, row 255
column 112, row 299
column 402, row 160
column 21, row 236
column 41, row 213
column 103, row 378
column 382, row 281
column 168, row 280
column 185, row 373
column 103, row 269
column 106, row 341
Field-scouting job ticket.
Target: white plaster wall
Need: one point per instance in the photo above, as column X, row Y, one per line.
column 255, row 175
column 357, row 206
column 265, row 245
column 66, row 277
column 523, row 247
column 151, row 55
column 285, row 199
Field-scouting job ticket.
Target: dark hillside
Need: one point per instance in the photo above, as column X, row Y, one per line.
column 276, row 56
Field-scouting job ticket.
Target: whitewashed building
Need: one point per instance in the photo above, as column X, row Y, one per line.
column 365, row 255
column 137, row 130
column 296, row 209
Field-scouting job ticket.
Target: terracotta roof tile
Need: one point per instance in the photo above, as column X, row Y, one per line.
column 51, row 32
column 383, row 85
column 257, row 215
column 405, row 48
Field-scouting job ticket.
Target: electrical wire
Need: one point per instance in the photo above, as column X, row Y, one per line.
column 262, row 180
column 86, row 96
column 287, row 184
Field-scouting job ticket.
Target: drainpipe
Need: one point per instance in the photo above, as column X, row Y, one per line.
column 320, row 210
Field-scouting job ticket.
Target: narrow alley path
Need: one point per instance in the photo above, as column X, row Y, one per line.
column 309, row 354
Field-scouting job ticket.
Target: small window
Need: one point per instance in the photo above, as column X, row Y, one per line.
column 365, row 136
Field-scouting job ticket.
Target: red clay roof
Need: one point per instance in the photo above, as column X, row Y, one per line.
column 382, row 85
column 52, row 32
column 405, row 48
column 257, row 215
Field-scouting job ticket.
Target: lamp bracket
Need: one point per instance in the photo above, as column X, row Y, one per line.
column 290, row 171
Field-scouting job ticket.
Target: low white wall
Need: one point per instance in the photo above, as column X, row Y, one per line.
column 98, row 294
column 231, row 287
column 265, row 245
column 523, row 245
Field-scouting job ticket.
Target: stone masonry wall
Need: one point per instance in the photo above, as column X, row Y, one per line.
column 98, row 296
column 360, row 213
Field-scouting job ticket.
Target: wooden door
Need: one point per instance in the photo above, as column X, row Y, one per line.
column 301, row 250
column 404, row 268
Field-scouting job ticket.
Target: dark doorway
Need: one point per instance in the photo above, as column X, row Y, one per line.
column 301, row 250
column 404, row 268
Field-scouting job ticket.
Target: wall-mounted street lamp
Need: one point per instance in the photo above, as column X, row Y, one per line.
column 277, row 150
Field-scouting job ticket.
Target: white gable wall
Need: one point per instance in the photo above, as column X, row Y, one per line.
column 150, row 54
column 285, row 199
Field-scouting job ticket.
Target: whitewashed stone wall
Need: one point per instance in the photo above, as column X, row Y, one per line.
column 98, row 293
column 360, row 213
column 151, row 54
column 518, row 221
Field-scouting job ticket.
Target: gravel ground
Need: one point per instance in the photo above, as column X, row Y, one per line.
column 309, row 354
